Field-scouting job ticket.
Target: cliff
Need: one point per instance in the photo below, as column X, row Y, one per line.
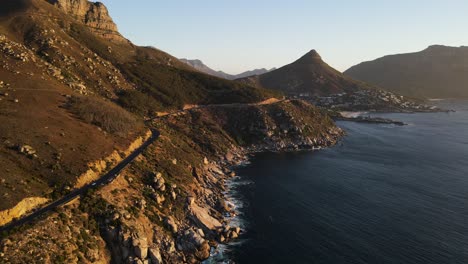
column 93, row 14
column 170, row 205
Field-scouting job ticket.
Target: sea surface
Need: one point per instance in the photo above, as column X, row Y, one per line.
column 384, row 194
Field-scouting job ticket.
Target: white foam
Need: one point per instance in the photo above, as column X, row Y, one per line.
column 219, row 254
column 348, row 114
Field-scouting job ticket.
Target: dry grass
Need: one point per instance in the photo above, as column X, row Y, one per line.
column 104, row 114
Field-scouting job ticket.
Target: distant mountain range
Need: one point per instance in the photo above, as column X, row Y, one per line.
column 200, row 66
column 436, row 72
column 308, row 75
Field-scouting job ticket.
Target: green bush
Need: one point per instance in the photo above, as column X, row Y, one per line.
column 104, row 114
column 139, row 102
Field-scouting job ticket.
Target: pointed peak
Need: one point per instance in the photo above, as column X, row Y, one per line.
column 311, row 56
column 313, row 53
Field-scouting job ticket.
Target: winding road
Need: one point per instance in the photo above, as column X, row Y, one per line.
column 105, row 179
column 113, row 173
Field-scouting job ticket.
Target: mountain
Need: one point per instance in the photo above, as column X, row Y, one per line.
column 310, row 78
column 66, row 70
column 251, row 73
column 200, row 66
column 92, row 14
column 436, row 72
column 308, row 75
column 77, row 98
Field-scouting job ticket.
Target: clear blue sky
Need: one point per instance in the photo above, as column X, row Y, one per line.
column 239, row 35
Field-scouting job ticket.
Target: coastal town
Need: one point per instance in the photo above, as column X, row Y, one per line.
column 369, row 100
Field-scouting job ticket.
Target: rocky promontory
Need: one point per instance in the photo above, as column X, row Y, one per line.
column 93, row 14
column 169, row 206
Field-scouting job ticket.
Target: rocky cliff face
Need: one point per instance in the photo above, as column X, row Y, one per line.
column 93, row 15
column 169, row 206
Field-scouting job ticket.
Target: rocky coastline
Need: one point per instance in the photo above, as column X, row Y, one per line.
column 240, row 156
column 170, row 205
column 371, row 120
column 192, row 239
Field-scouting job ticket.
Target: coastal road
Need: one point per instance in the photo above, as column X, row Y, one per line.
column 105, row 179
column 113, row 173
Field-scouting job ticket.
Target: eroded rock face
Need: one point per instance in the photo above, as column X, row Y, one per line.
column 94, row 15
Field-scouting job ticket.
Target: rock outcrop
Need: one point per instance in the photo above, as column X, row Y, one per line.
column 94, row 15
column 21, row 208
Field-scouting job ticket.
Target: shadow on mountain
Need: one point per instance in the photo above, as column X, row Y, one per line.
column 9, row 7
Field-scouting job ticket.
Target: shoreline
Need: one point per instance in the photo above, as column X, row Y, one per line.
column 242, row 157
column 371, row 120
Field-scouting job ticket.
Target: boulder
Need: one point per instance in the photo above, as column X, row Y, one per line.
column 202, row 216
column 233, row 235
column 190, row 200
column 222, row 238
column 155, row 255
column 140, row 247
column 171, row 224
column 159, row 182
column 28, row 151
column 191, row 242
column 229, row 157
column 160, row 198
column 203, row 251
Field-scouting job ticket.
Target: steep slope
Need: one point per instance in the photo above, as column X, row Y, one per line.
column 200, row 66
column 308, row 75
column 53, row 52
column 64, row 78
column 45, row 145
column 436, row 72
column 168, row 206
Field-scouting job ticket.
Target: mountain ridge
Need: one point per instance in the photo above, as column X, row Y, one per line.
column 200, row 66
column 308, row 74
column 438, row 71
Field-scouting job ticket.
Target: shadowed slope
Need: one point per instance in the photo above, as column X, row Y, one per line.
column 438, row 72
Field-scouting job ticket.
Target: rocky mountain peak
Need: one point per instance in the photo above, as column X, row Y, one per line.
column 93, row 14
column 310, row 57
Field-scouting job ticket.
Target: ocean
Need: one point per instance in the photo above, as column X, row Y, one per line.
column 384, row 194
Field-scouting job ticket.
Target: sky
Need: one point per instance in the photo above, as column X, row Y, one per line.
column 239, row 35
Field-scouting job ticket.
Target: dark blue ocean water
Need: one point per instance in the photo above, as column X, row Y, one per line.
column 385, row 194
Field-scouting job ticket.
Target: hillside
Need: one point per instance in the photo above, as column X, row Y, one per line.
column 436, row 72
column 200, row 66
column 308, row 75
column 311, row 79
column 55, row 52
column 76, row 98
column 169, row 205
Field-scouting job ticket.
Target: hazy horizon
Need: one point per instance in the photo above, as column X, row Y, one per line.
column 238, row 36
